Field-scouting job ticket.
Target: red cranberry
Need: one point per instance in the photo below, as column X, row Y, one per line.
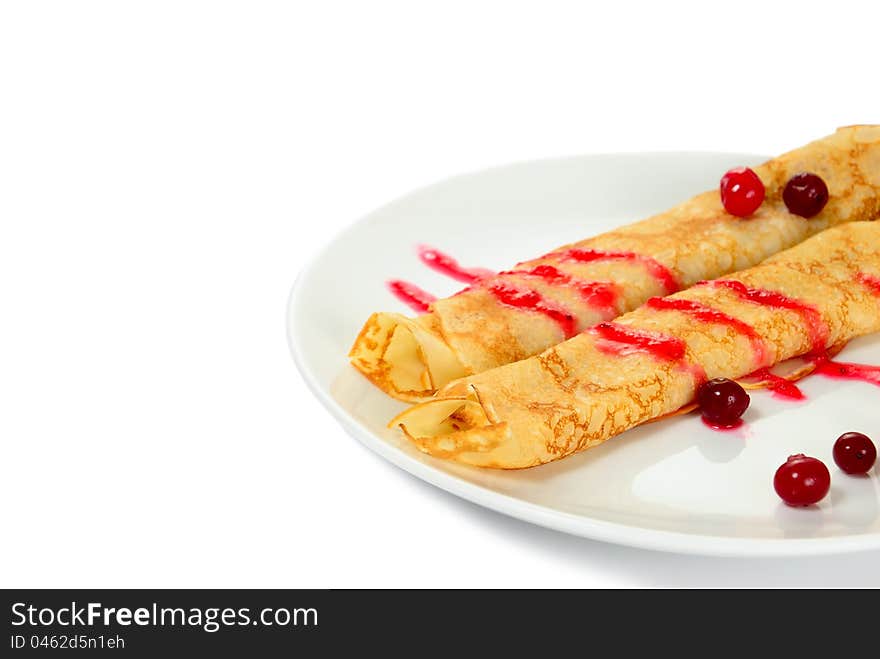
column 854, row 453
column 802, row 481
column 722, row 402
column 805, row 194
column 741, row 191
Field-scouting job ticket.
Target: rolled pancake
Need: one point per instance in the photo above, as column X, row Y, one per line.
column 590, row 388
column 602, row 277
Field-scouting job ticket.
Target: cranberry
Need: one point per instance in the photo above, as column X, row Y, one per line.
column 722, row 402
column 805, row 194
column 854, row 453
column 802, row 481
column 741, row 191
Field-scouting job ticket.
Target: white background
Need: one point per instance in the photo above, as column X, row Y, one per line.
column 167, row 167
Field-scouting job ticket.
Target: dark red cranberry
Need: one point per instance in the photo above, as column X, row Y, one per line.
column 722, row 402
column 742, row 192
column 802, row 481
column 805, row 194
column 854, row 453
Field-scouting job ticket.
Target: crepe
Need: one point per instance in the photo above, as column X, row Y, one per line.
column 597, row 279
column 590, row 388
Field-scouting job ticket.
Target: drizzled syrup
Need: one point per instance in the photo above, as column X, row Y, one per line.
column 819, row 335
column 816, row 327
column 601, row 296
column 707, row 314
column 778, row 385
column 657, row 270
column 526, row 298
column 846, row 370
column 446, row 265
column 616, row 339
column 411, row 295
column 623, row 340
column 871, row 281
column 823, row 365
column 597, row 294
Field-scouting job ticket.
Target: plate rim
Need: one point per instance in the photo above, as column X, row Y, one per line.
column 565, row 522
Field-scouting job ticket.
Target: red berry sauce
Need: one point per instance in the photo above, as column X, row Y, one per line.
column 802, row 481
column 816, row 327
column 602, row 296
column 446, row 265
column 742, row 192
column 846, row 370
column 411, row 295
column 526, row 298
column 854, row 453
column 663, row 275
column 779, row 386
column 871, row 281
column 707, row 314
column 599, row 295
column 622, row 340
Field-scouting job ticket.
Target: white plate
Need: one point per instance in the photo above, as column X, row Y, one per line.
column 674, row 485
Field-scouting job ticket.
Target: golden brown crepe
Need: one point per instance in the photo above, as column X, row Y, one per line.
column 475, row 331
column 588, row 389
